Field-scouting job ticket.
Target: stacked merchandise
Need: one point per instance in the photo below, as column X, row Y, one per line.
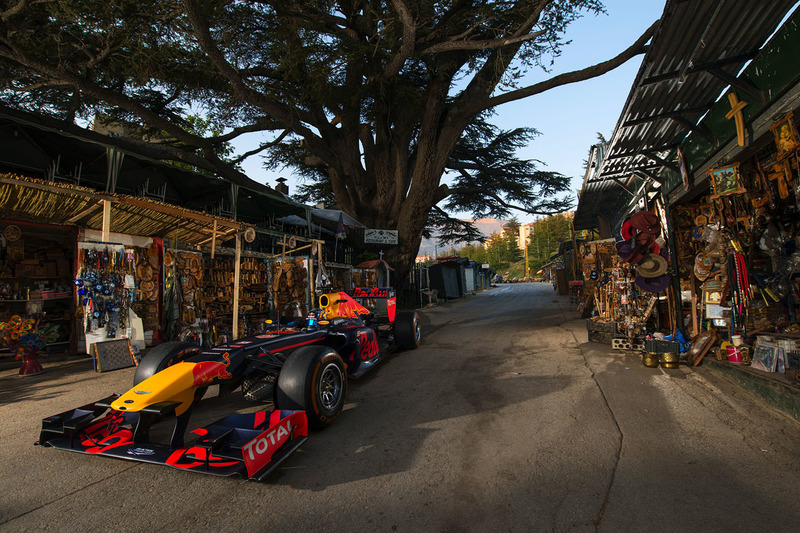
column 739, row 255
column 289, row 287
column 147, row 261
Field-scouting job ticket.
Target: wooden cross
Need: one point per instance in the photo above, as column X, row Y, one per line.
column 736, row 114
column 779, row 174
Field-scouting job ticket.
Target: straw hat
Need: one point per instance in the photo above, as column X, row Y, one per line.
column 651, row 266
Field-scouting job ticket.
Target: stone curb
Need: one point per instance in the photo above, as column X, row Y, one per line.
column 773, row 388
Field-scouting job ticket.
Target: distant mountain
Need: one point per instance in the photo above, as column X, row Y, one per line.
column 487, row 226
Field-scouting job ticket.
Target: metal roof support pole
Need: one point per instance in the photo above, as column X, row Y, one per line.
column 675, row 285
column 234, row 200
column 237, row 265
column 113, row 166
column 106, row 228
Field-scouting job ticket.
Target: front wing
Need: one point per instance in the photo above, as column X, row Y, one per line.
column 248, row 445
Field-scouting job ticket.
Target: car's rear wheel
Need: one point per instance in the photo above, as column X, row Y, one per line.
column 162, row 356
column 313, row 380
column 407, row 330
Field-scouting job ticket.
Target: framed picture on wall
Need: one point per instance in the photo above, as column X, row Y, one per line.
column 726, row 180
column 785, row 135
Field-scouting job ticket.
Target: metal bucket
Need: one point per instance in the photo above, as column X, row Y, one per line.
column 669, row 360
column 650, row 359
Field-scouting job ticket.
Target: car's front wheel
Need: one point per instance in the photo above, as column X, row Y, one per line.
column 164, row 355
column 313, row 379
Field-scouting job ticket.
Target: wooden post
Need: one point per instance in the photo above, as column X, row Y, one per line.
column 236, row 271
column 574, row 250
column 106, row 230
column 695, row 330
column 312, row 290
column 214, row 240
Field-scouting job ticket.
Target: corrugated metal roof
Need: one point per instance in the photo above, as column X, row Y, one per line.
column 697, row 45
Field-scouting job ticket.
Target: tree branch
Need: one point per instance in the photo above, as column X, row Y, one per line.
column 18, row 7
column 59, row 77
column 407, row 47
column 548, row 207
column 571, row 77
column 261, row 148
column 250, row 128
column 240, row 88
column 488, row 44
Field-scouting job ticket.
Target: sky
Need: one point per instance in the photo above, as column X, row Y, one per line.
column 568, row 117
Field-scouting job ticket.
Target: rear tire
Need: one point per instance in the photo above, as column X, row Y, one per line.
column 407, row 330
column 162, row 356
column 313, row 380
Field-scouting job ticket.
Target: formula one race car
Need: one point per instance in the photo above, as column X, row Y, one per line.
column 303, row 370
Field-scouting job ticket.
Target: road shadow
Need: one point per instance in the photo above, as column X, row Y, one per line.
column 16, row 388
column 380, row 434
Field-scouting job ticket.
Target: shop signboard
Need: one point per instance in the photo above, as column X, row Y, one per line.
column 380, row 236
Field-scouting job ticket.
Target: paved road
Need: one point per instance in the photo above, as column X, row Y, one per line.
column 506, row 419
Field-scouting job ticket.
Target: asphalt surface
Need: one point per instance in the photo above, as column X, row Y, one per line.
column 505, row 419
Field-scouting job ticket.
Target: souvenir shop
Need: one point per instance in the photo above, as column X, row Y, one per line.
column 66, row 289
column 738, row 256
column 627, row 283
column 733, row 289
column 699, row 190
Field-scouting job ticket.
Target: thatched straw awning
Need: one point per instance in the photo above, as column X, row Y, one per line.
column 45, row 202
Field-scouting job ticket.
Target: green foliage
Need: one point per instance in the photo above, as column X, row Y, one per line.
column 488, row 180
column 501, row 250
column 547, row 235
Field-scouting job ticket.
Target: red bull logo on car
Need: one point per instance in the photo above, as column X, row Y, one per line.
column 205, row 372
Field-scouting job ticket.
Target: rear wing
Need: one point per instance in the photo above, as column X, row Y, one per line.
column 381, row 301
column 373, row 292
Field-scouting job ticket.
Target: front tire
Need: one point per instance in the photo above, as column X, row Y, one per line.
column 407, row 330
column 162, row 356
column 313, row 380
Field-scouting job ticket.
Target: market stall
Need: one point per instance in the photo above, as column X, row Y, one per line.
column 36, row 271
column 739, row 256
